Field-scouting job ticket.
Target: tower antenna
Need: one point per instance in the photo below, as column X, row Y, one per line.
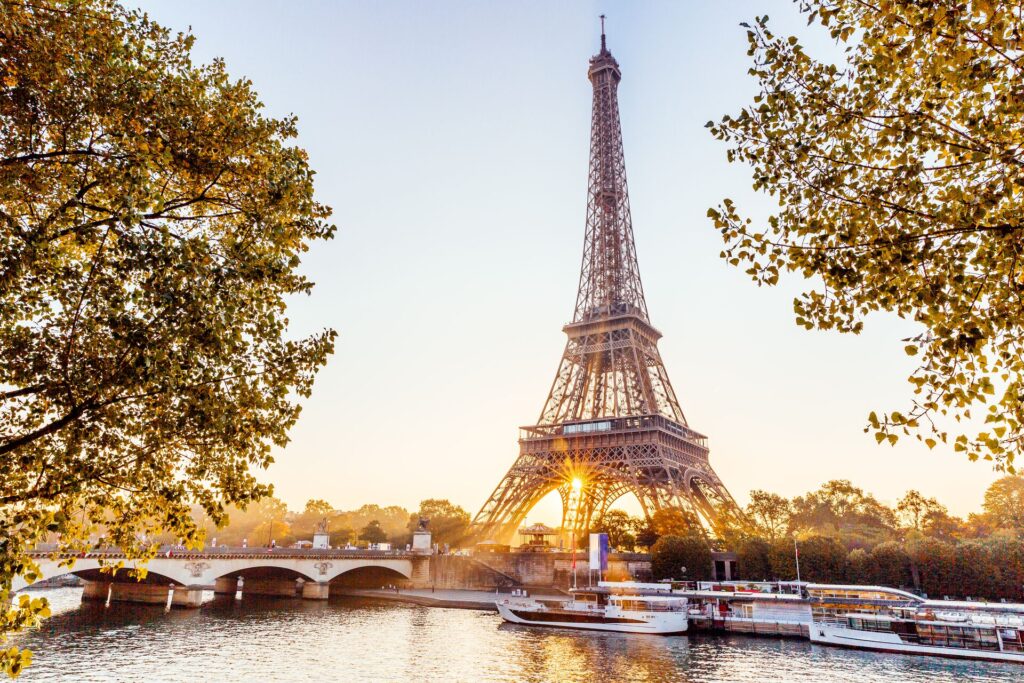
column 604, row 48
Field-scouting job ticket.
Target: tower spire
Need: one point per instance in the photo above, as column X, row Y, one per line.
column 609, row 279
column 604, row 46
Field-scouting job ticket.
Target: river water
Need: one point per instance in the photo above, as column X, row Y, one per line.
column 351, row 639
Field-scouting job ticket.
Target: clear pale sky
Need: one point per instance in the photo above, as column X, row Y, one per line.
column 451, row 139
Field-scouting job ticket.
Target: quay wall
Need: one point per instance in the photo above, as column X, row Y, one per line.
column 531, row 569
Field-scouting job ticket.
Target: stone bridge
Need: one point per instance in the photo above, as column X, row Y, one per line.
column 179, row 577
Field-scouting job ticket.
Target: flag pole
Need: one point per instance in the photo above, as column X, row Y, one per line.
column 574, row 558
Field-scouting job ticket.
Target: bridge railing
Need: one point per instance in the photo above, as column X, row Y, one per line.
column 224, row 552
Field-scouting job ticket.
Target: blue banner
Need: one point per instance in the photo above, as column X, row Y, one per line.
column 599, row 552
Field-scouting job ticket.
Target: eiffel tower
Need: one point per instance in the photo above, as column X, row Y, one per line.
column 612, row 423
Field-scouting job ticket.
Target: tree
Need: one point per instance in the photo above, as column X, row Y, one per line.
column 620, row 528
column 646, row 536
column 1004, row 503
column 898, row 176
column 770, row 512
column 448, row 523
column 674, row 522
column 940, row 525
column 932, row 564
column 914, row 509
column 373, row 533
column 979, row 525
column 671, row 553
column 252, row 523
column 272, row 531
column 858, row 566
column 838, row 508
column 318, row 506
column 753, row 559
column 890, row 565
column 305, row 523
column 151, row 224
column 340, row 536
column 822, row 559
column 393, row 519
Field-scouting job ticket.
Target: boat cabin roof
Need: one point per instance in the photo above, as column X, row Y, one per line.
column 896, row 592
column 650, row 598
column 744, row 596
column 635, row 585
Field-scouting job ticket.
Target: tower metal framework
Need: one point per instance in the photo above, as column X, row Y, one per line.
column 611, row 419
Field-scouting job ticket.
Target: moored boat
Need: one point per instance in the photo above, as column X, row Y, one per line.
column 761, row 608
column 600, row 611
column 961, row 630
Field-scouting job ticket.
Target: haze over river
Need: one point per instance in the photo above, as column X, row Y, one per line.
column 350, row 639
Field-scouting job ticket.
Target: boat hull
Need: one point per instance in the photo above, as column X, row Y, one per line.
column 668, row 623
column 828, row 634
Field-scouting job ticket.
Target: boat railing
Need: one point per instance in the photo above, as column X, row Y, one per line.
column 980, row 619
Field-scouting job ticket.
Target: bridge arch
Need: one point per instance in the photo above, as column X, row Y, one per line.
column 370, row 576
column 91, row 571
column 265, row 571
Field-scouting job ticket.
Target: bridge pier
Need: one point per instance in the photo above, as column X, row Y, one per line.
column 96, row 590
column 420, row 575
column 187, row 596
column 226, row 585
column 147, row 593
column 313, row 590
column 281, row 588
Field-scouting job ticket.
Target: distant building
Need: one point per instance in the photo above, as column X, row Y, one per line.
column 536, row 538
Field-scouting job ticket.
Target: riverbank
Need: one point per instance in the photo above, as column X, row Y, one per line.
column 453, row 598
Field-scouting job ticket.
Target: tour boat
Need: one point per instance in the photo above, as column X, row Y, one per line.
column 963, row 630
column 760, row 608
column 599, row 610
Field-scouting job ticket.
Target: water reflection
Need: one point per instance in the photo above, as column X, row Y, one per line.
column 271, row 639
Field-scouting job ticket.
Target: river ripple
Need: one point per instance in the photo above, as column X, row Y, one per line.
column 265, row 639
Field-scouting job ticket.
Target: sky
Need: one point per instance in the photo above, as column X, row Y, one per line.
column 451, row 139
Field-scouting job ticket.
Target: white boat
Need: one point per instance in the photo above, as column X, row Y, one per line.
column 761, row 609
column 962, row 630
column 600, row 611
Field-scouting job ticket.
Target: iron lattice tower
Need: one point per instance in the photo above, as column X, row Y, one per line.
column 611, row 419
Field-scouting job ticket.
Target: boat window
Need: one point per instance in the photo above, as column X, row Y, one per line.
column 1011, row 640
column 877, row 626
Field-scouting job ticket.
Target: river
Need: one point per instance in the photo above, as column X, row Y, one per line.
column 352, row 639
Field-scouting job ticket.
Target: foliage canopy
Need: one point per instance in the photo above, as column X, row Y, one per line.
column 899, row 176
column 151, row 224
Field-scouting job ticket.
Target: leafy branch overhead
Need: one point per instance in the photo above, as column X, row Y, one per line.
column 899, row 176
column 152, row 221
